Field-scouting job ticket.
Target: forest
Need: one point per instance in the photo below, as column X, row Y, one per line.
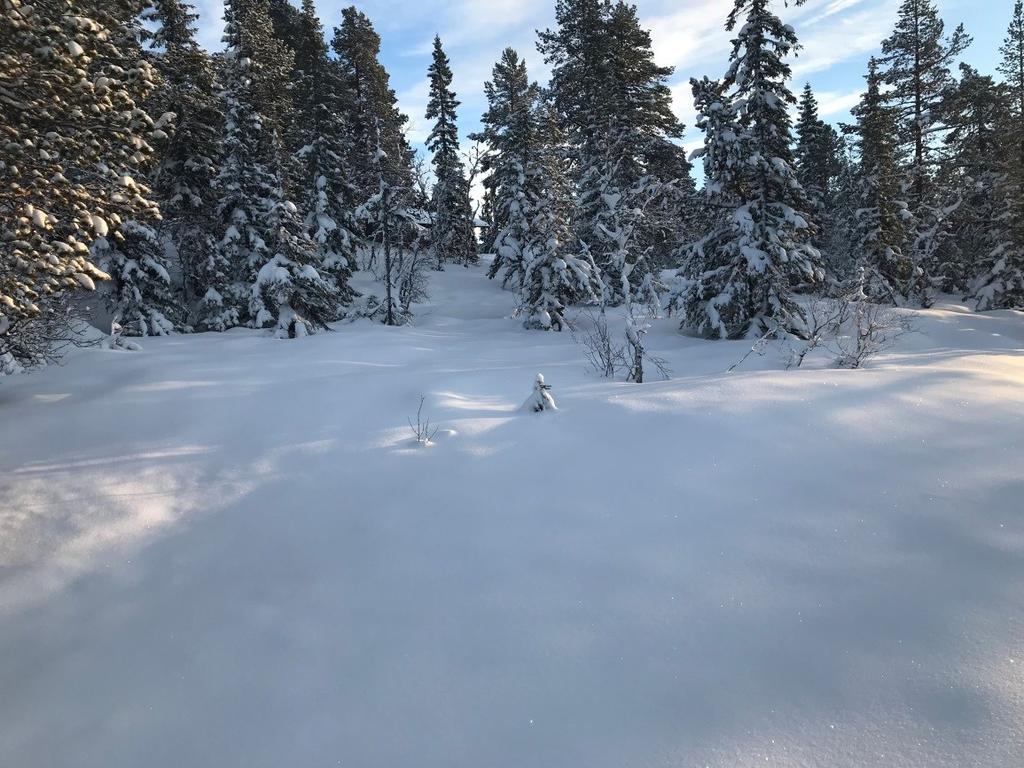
column 202, row 191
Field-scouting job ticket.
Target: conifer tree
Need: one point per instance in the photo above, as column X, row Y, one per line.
column 553, row 275
column 510, row 133
column 453, row 236
column 266, row 268
column 817, row 152
column 377, row 124
column 975, row 110
column 289, row 292
column 739, row 278
column 918, row 57
column 66, row 180
column 183, row 180
column 320, row 136
column 391, row 219
column 140, row 297
column 881, row 215
column 617, row 112
column 526, row 160
column 1000, row 283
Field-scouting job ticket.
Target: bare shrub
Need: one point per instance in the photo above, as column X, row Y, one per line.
column 608, row 358
column 873, row 329
column 604, row 356
column 30, row 343
column 422, row 430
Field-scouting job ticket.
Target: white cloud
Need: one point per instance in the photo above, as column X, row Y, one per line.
column 835, row 103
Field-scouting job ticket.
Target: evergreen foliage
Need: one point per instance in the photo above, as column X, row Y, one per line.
column 453, row 237
column 738, row 279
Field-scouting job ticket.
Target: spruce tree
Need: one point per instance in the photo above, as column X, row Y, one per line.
column 377, row 124
column 882, row 216
column 739, row 278
column 975, row 110
column 618, row 119
column 76, row 143
column 553, row 275
column 818, row 157
column 391, row 219
column 817, row 153
column 510, row 133
column 183, row 180
column 1000, row 283
column 266, row 268
column 140, row 296
column 321, row 136
column 918, row 57
column 452, row 235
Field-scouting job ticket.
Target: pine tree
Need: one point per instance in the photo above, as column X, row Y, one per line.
column 881, row 215
column 391, row 217
column 289, row 292
column 452, row 234
column 617, row 113
column 975, row 110
column 918, row 59
column 66, row 180
column 818, row 161
column 553, row 275
column 321, row 135
column 510, row 132
column 266, row 268
column 1000, row 283
column 140, row 298
column 739, row 278
column 377, row 123
column 183, row 180
column 817, row 152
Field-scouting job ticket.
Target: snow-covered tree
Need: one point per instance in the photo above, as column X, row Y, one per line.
column 526, row 159
column 918, row 58
column 917, row 64
column 290, row 294
column 554, row 275
column 738, row 279
column 140, row 294
column 249, row 186
column 76, row 144
column 975, row 111
column 510, row 133
column 321, row 134
column 183, row 179
column 1000, row 283
column 393, row 221
column 452, row 234
column 817, row 156
column 881, row 214
column 619, row 123
column 376, row 121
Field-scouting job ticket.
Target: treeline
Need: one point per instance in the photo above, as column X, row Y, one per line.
column 244, row 188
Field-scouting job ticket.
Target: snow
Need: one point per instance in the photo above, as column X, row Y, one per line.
column 222, row 550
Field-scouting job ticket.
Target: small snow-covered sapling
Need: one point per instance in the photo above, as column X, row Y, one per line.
column 541, row 399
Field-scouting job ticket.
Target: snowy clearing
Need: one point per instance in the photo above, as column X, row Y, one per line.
column 228, row 550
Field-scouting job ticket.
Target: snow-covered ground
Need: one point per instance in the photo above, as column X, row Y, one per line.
column 224, row 551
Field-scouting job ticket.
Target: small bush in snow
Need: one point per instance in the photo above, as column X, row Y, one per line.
column 422, row 430
column 541, row 399
column 603, row 354
column 873, row 329
column 607, row 357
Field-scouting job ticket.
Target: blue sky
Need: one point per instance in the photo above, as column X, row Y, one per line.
column 838, row 38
